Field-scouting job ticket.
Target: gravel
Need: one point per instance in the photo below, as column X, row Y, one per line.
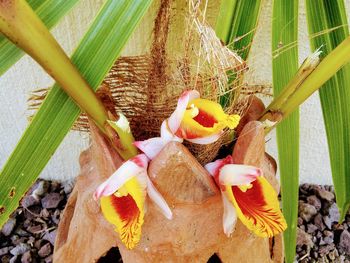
column 320, row 236
column 29, row 235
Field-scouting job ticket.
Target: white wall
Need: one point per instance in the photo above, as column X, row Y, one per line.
column 26, row 76
column 314, row 160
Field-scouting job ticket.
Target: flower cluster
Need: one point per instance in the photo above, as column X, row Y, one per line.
column 245, row 192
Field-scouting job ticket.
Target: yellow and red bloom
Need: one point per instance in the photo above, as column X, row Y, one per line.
column 247, row 194
column 199, row 120
column 196, row 120
column 123, row 198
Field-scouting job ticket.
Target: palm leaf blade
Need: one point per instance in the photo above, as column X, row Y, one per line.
column 285, row 65
column 94, row 57
column 327, row 24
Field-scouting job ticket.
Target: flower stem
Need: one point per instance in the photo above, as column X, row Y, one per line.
column 309, row 78
column 21, row 25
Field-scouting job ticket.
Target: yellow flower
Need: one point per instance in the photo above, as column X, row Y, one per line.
column 197, row 120
column 248, row 195
column 123, row 199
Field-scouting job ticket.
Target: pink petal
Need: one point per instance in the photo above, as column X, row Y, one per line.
column 124, row 173
column 206, row 140
column 230, row 216
column 214, row 167
column 151, row 147
column 158, row 199
column 175, row 119
column 238, row 174
column 140, row 160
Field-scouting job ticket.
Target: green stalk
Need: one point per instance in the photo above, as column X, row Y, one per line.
column 319, row 74
column 328, row 26
column 21, row 25
column 50, row 12
column 284, row 66
column 94, row 57
column 273, row 112
column 322, row 72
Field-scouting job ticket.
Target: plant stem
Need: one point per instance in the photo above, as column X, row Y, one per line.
column 302, row 86
column 20, row 24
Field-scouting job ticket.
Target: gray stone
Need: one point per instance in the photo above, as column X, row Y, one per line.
column 300, row 221
column 68, row 186
column 324, row 194
column 4, row 251
column 333, row 255
column 29, row 201
column 56, row 216
column 311, row 228
column 8, row 227
column 314, row 201
column 49, row 259
column 26, row 257
column 22, row 233
column 38, row 243
column 41, row 189
column 324, row 250
column 306, row 211
column 344, row 242
column 45, row 250
column 51, row 200
column 334, row 213
column 332, row 217
column 50, row 236
column 13, row 259
column 20, row 249
column 304, row 238
column 34, row 229
column 55, row 186
column 319, row 222
column 327, row 237
column 45, row 213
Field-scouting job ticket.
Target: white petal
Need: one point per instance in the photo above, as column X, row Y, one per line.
column 206, row 140
column 238, row 174
column 166, row 134
column 151, row 147
column 230, row 217
column 124, row 173
column 123, row 123
column 175, row 119
column 158, row 199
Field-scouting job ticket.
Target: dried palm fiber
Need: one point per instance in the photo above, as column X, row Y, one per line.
column 146, row 88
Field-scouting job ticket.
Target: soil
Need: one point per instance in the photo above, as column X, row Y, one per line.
column 29, row 234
